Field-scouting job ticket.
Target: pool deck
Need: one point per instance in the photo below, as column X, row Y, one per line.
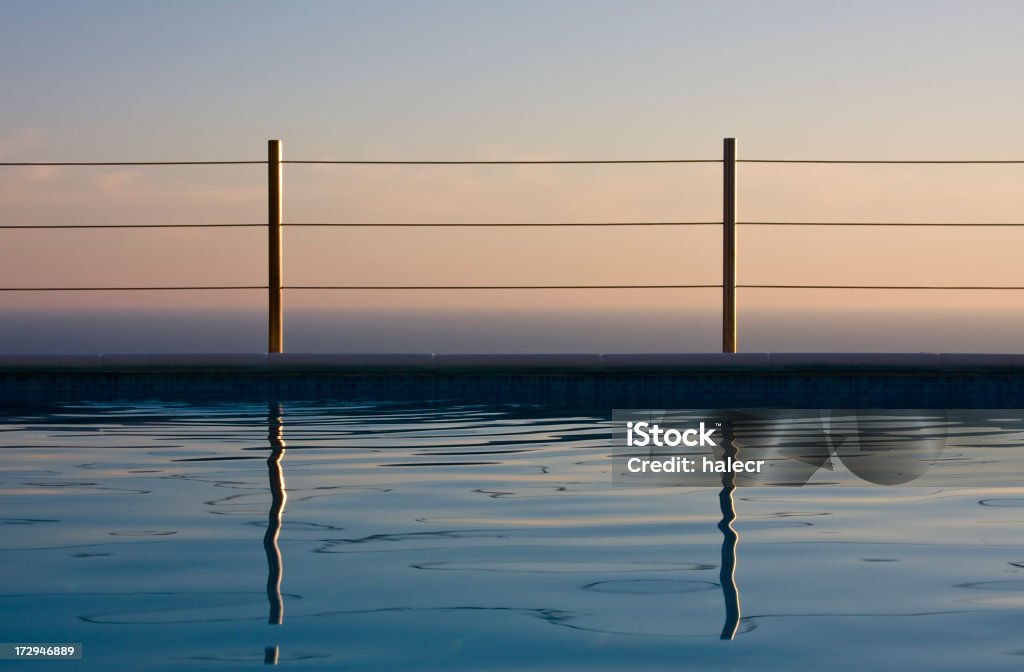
column 908, row 380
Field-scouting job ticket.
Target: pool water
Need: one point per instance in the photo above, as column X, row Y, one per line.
column 397, row 536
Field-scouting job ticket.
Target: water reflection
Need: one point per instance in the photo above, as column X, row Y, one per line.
column 813, row 443
column 542, row 544
column 727, row 570
column 275, row 474
column 275, row 435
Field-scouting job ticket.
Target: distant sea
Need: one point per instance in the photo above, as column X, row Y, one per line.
column 448, row 331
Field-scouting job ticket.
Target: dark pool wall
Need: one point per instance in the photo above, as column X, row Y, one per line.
column 724, row 381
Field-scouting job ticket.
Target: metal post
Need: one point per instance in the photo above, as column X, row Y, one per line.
column 275, row 340
column 729, row 245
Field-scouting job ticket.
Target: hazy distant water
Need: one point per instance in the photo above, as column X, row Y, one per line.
column 40, row 332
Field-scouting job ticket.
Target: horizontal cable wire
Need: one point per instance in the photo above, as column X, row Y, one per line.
column 967, row 224
column 122, row 289
column 493, row 224
column 371, row 287
column 127, row 226
column 887, row 161
column 501, row 163
column 511, row 162
column 503, row 287
column 490, row 287
column 129, row 163
column 957, row 287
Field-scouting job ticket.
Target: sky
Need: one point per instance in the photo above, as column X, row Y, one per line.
column 559, row 79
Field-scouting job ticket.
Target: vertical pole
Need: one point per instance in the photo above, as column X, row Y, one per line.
column 729, row 245
column 275, row 339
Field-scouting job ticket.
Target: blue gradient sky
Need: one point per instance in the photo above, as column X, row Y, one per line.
column 494, row 80
column 380, row 79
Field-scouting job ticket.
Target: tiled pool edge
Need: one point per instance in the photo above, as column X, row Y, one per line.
column 907, row 380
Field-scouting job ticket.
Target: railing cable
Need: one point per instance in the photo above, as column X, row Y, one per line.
column 128, row 163
column 926, row 287
column 964, row 224
column 125, row 289
column 512, row 162
column 129, row 226
column 490, row 224
column 890, row 161
column 447, row 287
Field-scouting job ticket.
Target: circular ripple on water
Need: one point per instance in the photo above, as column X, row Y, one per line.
column 142, row 533
column 1007, row 502
column 650, row 586
column 565, row 567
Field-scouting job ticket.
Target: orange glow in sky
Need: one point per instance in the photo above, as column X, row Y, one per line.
column 913, row 80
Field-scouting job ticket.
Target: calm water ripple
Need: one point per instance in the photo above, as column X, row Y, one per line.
column 393, row 536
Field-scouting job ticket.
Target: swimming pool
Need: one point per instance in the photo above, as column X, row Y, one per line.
column 169, row 536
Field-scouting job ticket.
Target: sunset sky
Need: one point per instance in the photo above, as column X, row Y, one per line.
column 146, row 81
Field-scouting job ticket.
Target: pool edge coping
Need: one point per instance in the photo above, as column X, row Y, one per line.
column 432, row 363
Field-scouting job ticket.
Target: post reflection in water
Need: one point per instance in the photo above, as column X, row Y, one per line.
column 730, row 538
column 279, row 497
column 275, row 435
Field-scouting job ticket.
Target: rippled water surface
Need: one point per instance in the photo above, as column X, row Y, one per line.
column 169, row 537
